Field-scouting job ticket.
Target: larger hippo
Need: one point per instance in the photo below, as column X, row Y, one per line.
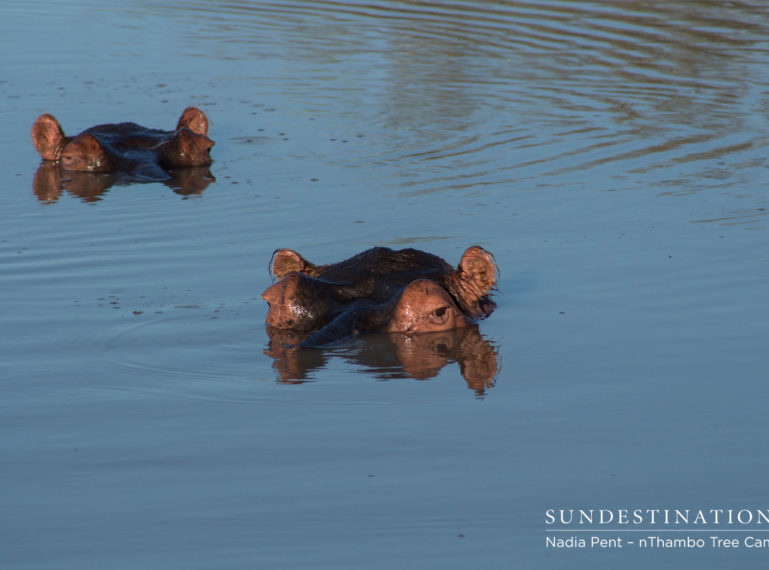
column 380, row 290
column 142, row 153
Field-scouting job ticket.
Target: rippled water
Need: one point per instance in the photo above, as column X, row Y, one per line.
column 613, row 157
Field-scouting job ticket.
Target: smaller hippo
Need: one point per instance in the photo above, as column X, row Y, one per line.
column 380, row 290
column 144, row 154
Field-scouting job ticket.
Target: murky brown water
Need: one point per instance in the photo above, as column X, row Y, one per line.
column 613, row 157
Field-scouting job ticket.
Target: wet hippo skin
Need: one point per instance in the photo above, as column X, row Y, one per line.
column 142, row 153
column 380, row 290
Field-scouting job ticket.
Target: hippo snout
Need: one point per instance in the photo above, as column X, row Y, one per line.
column 295, row 303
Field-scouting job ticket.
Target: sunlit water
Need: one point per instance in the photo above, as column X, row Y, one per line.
column 613, row 157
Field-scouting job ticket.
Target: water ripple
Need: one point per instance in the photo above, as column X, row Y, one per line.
column 456, row 94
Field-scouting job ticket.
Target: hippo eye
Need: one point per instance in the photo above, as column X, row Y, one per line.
column 439, row 314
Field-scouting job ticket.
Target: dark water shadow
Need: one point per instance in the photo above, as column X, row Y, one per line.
column 389, row 356
column 51, row 180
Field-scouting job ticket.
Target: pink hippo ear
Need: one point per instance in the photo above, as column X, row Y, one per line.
column 185, row 148
column 85, row 153
column 475, row 277
column 194, row 119
column 477, row 266
column 48, row 137
column 286, row 260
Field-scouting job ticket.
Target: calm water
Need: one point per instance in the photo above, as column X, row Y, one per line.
column 612, row 155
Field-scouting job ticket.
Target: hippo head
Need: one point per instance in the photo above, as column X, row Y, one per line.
column 125, row 146
column 185, row 148
column 380, row 290
column 85, row 153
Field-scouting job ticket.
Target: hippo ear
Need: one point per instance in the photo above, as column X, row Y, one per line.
column 477, row 267
column 48, row 137
column 285, row 260
column 475, row 277
column 195, row 120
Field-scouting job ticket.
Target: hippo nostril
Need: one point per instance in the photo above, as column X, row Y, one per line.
column 272, row 295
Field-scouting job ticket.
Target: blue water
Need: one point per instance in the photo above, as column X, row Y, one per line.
column 612, row 156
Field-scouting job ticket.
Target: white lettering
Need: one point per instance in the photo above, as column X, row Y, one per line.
column 606, row 516
column 570, row 542
column 724, row 542
column 753, row 542
column 665, row 517
column 652, row 541
column 597, row 541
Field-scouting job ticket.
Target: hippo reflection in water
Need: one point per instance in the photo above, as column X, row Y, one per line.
column 104, row 155
column 390, row 356
column 380, row 290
